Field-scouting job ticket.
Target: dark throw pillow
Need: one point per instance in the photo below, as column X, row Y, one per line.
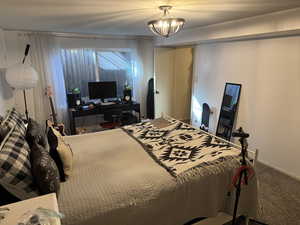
column 3, row 132
column 44, row 170
column 35, row 133
column 53, row 143
column 6, row 197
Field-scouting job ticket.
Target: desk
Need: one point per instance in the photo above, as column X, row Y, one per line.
column 102, row 109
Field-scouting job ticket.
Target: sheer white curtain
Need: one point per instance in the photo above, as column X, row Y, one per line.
column 45, row 58
column 79, row 67
column 137, row 77
column 141, row 51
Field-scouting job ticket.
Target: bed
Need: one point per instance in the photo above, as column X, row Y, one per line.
column 116, row 181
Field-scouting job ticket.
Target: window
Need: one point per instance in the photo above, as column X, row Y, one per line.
column 115, row 66
column 87, row 65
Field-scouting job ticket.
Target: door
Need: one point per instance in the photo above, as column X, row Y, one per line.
column 164, row 69
column 182, row 89
column 173, row 82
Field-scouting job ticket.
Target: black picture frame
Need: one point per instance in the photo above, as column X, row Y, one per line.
column 228, row 113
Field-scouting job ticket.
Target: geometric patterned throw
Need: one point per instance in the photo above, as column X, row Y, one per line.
column 179, row 147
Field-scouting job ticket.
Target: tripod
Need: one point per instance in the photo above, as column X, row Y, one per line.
column 242, row 176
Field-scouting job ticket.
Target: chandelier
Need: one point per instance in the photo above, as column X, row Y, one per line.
column 166, row 26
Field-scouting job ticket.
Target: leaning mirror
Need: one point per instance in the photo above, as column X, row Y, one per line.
column 228, row 110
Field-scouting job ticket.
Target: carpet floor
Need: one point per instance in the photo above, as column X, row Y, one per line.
column 280, row 198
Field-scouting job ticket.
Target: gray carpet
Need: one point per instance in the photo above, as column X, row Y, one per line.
column 280, row 197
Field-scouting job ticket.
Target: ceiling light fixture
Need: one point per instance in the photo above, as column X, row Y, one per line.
column 166, row 26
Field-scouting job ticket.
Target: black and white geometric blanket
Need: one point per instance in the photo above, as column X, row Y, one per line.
column 182, row 149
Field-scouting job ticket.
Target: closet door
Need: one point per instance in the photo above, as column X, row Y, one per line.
column 173, row 82
column 183, row 74
column 164, row 81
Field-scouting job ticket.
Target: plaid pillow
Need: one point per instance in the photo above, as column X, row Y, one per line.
column 13, row 118
column 15, row 167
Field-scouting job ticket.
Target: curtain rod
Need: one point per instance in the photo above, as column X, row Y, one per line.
column 87, row 36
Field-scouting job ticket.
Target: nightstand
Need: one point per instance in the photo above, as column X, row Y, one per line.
column 16, row 210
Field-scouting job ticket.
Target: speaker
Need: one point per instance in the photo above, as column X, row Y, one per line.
column 127, row 95
column 72, row 100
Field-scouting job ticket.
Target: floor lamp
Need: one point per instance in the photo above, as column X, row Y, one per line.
column 22, row 76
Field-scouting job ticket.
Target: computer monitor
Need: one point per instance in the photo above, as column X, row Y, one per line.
column 102, row 90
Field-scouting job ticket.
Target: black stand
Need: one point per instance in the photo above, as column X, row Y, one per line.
column 24, row 93
column 241, row 220
column 26, row 111
column 243, row 176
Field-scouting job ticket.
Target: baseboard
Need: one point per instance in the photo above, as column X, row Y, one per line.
column 279, row 170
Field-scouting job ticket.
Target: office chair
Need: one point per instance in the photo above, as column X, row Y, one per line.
column 205, row 117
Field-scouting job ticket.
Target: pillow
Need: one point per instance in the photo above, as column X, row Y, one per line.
column 44, row 170
column 15, row 167
column 6, row 197
column 13, row 118
column 3, row 132
column 36, row 134
column 53, row 143
column 61, row 153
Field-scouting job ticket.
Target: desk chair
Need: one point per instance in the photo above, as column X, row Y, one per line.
column 114, row 118
column 205, row 117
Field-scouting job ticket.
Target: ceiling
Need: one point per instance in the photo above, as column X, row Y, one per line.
column 125, row 17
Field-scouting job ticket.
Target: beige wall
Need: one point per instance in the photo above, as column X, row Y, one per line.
column 173, row 70
column 269, row 71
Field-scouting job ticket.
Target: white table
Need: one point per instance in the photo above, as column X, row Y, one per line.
column 16, row 210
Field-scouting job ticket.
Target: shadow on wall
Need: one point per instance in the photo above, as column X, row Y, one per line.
column 196, row 115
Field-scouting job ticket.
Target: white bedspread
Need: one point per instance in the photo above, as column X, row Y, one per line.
column 115, row 182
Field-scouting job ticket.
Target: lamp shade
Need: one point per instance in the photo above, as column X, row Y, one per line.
column 21, row 76
column 166, row 26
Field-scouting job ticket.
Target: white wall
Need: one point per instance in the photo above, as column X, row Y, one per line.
column 15, row 43
column 269, row 71
column 6, row 95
